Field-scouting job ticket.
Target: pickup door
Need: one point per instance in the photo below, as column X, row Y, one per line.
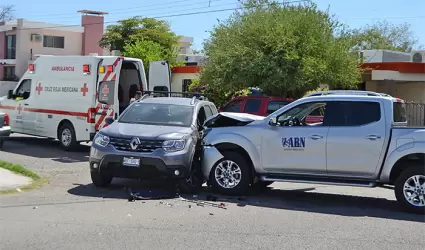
column 355, row 143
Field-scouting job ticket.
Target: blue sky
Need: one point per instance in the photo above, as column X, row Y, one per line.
column 355, row 13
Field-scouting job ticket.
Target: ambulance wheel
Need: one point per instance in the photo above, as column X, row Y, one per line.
column 67, row 138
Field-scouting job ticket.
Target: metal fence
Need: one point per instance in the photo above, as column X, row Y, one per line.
column 415, row 113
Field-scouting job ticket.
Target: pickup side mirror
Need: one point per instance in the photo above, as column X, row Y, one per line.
column 273, row 121
column 10, row 94
column 109, row 120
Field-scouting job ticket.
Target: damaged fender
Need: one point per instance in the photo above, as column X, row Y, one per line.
column 210, row 157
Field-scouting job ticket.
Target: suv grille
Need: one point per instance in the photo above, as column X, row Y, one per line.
column 145, row 146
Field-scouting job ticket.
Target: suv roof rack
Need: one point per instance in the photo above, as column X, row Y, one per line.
column 192, row 95
column 347, row 92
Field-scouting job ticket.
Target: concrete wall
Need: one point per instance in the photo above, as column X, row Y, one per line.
column 93, row 32
column 2, row 51
column 27, row 49
column 177, row 80
column 409, row 91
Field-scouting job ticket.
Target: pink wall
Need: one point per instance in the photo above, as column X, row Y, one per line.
column 93, row 32
column 2, row 51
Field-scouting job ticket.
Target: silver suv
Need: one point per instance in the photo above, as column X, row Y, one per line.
column 153, row 138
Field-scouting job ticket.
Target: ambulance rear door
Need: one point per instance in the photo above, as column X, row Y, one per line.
column 159, row 77
column 107, row 103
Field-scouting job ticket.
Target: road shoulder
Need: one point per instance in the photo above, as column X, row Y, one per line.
column 15, row 178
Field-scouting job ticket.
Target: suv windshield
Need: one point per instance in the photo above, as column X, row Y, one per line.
column 158, row 114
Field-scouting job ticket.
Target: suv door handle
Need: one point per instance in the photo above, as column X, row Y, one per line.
column 26, row 104
column 373, row 137
column 316, row 137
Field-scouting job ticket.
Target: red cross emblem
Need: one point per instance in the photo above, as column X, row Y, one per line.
column 39, row 88
column 84, row 89
column 105, row 90
column 19, row 108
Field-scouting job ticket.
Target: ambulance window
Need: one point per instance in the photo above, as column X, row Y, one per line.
column 24, row 89
column 106, row 92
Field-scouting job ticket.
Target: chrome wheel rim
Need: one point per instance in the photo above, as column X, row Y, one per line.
column 228, row 174
column 414, row 190
column 66, row 137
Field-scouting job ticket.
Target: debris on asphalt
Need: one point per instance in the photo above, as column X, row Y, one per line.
column 211, row 214
column 190, row 206
column 211, row 198
column 150, row 195
column 129, row 215
column 222, row 204
column 34, row 207
column 19, row 190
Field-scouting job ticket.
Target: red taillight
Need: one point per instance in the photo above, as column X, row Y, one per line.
column 6, row 120
column 399, row 100
column 110, row 68
column 91, row 115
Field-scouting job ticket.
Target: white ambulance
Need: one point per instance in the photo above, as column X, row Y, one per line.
column 69, row 97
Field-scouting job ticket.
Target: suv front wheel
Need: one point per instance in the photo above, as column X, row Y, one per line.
column 100, row 179
column 231, row 175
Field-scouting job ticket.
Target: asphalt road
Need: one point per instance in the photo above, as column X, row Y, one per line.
column 69, row 213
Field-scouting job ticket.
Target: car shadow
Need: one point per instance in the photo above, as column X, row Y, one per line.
column 44, row 148
column 305, row 200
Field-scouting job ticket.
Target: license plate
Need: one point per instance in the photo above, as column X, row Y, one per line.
column 131, row 162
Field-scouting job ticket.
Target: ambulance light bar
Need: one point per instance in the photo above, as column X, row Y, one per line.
column 31, row 68
column 86, row 69
column 109, row 68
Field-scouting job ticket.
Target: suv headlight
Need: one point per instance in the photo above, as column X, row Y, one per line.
column 101, row 140
column 173, row 145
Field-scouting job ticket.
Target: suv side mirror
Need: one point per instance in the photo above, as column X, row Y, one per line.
column 109, row 120
column 10, row 94
column 273, row 121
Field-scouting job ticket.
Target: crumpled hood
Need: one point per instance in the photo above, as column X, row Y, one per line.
column 229, row 119
column 146, row 131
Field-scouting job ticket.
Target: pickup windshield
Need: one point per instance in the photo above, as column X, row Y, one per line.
column 158, row 114
column 399, row 112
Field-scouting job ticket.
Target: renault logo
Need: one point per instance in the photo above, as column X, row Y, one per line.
column 134, row 143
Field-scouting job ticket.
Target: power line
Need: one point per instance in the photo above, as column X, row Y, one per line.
column 165, row 16
column 176, row 7
column 136, row 8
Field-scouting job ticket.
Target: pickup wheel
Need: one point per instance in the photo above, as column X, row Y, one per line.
column 231, row 175
column 410, row 190
column 101, row 179
column 1, row 143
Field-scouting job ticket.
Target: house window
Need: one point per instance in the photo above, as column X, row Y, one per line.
column 9, row 73
column 183, row 50
column 186, row 84
column 54, row 42
column 10, row 47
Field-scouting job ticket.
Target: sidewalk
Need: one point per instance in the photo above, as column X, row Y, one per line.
column 10, row 180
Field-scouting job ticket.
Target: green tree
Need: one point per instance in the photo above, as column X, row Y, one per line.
column 285, row 50
column 383, row 35
column 128, row 31
column 146, row 50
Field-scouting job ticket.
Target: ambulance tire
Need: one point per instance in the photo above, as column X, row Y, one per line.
column 67, row 138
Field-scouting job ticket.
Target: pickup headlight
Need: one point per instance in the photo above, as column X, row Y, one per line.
column 173, row 145
column 101, row 140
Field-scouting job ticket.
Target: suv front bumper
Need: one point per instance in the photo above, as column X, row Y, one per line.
column 156, row 165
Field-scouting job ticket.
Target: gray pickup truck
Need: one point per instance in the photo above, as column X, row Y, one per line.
column 4, row 128
column 363, row 140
